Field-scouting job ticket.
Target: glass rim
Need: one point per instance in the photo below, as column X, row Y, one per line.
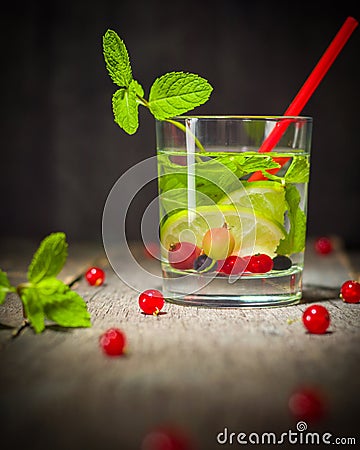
column 240, row 117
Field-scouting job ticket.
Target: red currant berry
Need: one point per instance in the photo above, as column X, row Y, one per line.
column 350, row 291
column 307, row 404
column 316, row 319
column 182, row 255
column 234, row 265
column 166, row 438
column 113, row 342
column 151, row 301
column 323, row 245
column 260, row 264
column 95, row 276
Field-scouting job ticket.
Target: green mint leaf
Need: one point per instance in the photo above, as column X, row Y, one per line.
column 211, row 178
column 33, row 308
column 176, row 93
column 5, row 286
column 294, row 241
column 125, row 107
column 49, row 259
column 63, row 305
column 117, row 59
column 299, row 170
column 138, row 88
column 54, row 300
column 246, row 163
column 173, row 183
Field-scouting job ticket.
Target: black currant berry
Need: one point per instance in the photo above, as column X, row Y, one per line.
column 204, row 263
column 282, row 262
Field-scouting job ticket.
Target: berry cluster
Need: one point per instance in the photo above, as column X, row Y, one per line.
column 215, row 254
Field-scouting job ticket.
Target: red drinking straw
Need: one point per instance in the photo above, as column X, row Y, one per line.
column 307, row 90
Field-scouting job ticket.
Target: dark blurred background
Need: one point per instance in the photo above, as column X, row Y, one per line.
column 61, row 152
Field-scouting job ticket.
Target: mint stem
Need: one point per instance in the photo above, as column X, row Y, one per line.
column 142, row 101
column 183, row 128
column 17, row 332
column 179, row 125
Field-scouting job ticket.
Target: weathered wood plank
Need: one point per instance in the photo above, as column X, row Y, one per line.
column 201, row 369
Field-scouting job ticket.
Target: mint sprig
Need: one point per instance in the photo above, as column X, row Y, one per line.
column 171, row 94
column 44, row 296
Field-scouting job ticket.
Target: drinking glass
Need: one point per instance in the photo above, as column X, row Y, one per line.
column 232, row 216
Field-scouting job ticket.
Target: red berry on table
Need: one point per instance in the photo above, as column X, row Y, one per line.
column 182, row 255
column 167, row 438
column 151, row 301
column 307, row 404
column 260, row 263
column 323, row 245
column 316, row 319
column 95, row 276
column 113, row 342
column 350, row 291
column 218, row 243
column 234, row 265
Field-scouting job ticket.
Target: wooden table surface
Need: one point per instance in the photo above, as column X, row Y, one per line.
column 198, row 370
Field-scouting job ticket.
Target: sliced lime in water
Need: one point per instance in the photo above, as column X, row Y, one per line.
column 266, row 197
column 253, row 233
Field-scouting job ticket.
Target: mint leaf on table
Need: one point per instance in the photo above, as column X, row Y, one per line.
column 5, row 286
column 63, row 305
column 54, row 300
column 68, row 310
column 44, row 296
column 176, row 92
column 49, row 259
column 33, row 308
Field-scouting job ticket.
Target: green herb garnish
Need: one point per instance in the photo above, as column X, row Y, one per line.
column 44, row 295
column 295, row 238
column 172, row 94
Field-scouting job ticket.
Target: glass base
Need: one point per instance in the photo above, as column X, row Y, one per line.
column 281, row 288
